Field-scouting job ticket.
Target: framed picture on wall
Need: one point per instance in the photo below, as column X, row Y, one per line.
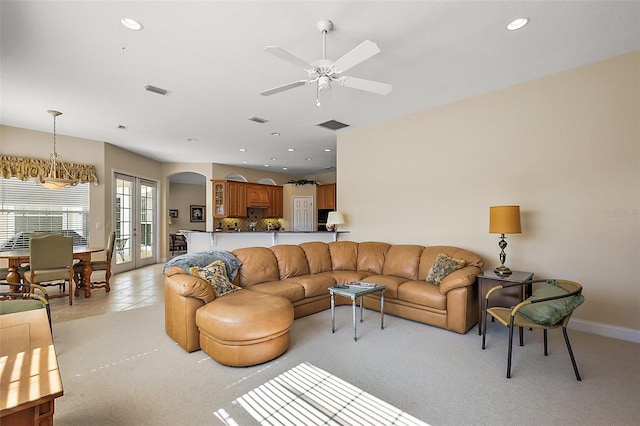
column 197, row 213
column 173, row 213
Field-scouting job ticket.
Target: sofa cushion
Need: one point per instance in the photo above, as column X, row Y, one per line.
column 291, row 260
column 443, row 266
column 422, row 293
column 345, row 277
column 402, row 261
column 318, row 256
column 392, row 283
column 371, row 256
column 344, row 255
column 314, row 285
column 290, row 290
column 259, row 265
column 216, row 275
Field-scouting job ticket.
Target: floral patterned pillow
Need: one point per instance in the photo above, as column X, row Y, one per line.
column 215, row 274
column 443, row 266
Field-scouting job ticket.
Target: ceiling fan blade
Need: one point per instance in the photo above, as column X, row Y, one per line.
column 284, row 87
column 358, row 54
column 368, row 85
column 286, row 56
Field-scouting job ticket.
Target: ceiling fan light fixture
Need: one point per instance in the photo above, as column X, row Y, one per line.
column 58, row 176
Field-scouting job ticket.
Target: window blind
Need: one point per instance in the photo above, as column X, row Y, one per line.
column 26, row 207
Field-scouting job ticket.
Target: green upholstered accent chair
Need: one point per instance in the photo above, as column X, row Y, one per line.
column 23, row 297
column 51, row 262
column 550, row 306
column 99, row 265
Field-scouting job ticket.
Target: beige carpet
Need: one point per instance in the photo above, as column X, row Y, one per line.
column 122, row 369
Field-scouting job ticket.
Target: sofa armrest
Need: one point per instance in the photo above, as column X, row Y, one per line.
column 460, row 278
column 190, row 286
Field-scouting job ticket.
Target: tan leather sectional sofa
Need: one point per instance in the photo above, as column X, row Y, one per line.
column 303, row 273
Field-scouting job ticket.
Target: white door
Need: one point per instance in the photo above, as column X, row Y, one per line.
column 135, row 224
column 303, row 214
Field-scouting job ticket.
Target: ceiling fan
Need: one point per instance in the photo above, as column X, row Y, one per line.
column 324, row 71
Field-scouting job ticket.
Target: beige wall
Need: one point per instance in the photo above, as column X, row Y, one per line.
column 181, row 197
column 564, row 147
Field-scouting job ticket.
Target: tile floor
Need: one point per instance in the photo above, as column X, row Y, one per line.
column 129, row 290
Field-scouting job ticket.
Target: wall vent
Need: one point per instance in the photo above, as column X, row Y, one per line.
column 258, row 120
column 158, row 90
column 333, row 125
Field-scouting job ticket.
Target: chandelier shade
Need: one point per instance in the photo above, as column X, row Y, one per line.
column 58, row 176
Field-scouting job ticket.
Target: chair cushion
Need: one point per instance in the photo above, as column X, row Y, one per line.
column 13, row 306
column 550, row 313
column 443, row 266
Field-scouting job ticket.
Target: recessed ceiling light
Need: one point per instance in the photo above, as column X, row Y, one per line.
column 275, row 134
column 516, row 24
column 291, row 149
column 244, row 161
column 285, row 168
column 266, row 165
column 307, row 159
column 192, row 140
column 243, row 149
column 122, row 127
column 273, row 158
column 131, row 23
column 327, row 150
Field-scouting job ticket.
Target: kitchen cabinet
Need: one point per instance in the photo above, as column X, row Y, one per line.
column 229, row 199
column 258, row 196
column 237, row 196
column 326, row 196
column 275, row 210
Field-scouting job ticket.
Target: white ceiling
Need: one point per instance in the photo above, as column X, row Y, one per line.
column 76, row 57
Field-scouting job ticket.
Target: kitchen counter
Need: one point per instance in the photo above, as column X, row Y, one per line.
column 230, row 240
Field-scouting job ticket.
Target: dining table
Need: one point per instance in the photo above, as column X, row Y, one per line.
column 21, row 256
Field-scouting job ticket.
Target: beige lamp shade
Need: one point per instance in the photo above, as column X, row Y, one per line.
column 334, row 219
column 504, row 220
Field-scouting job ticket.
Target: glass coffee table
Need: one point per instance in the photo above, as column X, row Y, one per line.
column 355, row 292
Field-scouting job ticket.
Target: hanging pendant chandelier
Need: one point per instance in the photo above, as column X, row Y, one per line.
column 58, row 176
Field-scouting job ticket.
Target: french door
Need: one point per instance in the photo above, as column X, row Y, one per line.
column 135, row 203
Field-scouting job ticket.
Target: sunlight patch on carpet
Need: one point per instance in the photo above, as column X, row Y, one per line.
column 308, row 395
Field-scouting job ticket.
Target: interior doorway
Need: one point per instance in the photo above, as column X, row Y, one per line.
column 303, row 213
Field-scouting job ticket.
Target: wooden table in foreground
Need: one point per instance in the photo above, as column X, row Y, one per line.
column 83, row 253
column 29, row 375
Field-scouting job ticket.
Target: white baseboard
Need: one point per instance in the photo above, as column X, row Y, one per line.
column 607, row 330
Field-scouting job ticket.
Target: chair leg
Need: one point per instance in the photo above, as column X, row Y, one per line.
column 484, row 329
column 544, row 333
column 510, row 349
column 573, row 360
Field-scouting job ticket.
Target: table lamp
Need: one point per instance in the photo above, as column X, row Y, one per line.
column 504, row 220
column 333, row 220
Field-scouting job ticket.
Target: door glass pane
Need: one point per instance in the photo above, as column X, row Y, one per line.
column 124, row 220
column 147, row 203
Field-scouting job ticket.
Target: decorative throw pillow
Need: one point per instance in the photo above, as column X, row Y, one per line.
column 552, row 312
column 443, row 266
column 216, row 275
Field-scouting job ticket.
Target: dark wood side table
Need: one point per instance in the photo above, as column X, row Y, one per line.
column 505, row 297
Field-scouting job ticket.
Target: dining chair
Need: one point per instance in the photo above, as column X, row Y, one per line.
column 550, row 306
column 98, row 265
column 51, row 262
column 25, row 297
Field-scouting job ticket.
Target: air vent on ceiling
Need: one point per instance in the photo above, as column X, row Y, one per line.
column 333, row 125
column 258, row 120
column 158, row 90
